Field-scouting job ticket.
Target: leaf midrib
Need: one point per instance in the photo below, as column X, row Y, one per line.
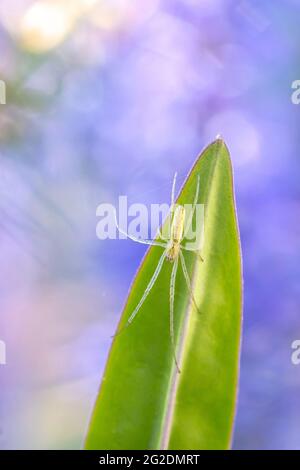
column 175, row 377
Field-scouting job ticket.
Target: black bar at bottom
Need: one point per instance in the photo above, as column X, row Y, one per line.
column 133, row 459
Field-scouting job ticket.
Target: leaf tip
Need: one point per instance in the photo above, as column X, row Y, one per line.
column 219, row 140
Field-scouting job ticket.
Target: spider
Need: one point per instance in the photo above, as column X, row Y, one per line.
column 173, row 253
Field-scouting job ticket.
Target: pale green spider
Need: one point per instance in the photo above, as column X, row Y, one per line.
column 173, row 253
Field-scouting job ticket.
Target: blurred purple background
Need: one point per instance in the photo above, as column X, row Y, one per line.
column 111, row 97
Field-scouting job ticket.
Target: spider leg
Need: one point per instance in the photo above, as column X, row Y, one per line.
column 189, row 223
column 139, row 240
column 187, row 279
column 173, row 190
column 147, row 291
column 172, row 207
column 194, row 251
column 172, row 295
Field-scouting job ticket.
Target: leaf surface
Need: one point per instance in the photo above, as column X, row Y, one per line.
column 143, row 402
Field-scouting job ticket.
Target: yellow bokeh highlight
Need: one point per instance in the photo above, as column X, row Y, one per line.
column 46, row 24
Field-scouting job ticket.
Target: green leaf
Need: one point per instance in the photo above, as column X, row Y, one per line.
column 143, row 402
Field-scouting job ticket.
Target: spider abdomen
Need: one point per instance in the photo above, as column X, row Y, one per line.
column 173, row 252
column 178, row 224
column 177, row 230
